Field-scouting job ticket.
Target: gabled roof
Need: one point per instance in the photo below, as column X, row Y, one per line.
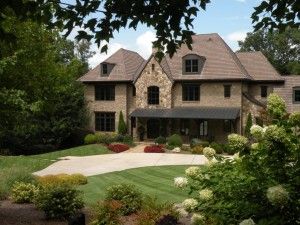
column 125, row 64
column 221, row 62
column 258, row 66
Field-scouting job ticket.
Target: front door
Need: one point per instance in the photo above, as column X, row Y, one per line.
column 153, row 126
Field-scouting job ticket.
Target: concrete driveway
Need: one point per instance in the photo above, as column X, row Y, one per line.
column 99, row 164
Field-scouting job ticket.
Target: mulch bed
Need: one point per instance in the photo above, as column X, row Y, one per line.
column 25, row 214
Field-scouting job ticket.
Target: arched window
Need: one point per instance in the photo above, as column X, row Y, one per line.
column 153, row 95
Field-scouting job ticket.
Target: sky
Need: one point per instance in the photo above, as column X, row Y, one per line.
column 229, row 18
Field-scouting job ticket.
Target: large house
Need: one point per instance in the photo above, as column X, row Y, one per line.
column 206, row 92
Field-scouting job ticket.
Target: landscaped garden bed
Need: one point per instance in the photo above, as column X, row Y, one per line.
column 117, row 148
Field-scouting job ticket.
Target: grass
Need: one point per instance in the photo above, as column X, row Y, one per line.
column 154, row 181
column 16, row 166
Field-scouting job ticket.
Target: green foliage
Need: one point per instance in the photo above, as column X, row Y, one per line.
column 105, row 138
column 160, row 140
column 23, row 192
column 44, row 104
column 175, row 140
column 128, row 139
column 128, row 195
column 218, row 147
column 249, row 124
column 122, row 128
column 260, row 186
column 276, row 106
column 90, row 139
column 237, row 143
column 281, row 48
column 58, row 201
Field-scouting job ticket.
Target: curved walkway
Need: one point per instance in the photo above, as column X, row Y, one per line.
column 99, row 164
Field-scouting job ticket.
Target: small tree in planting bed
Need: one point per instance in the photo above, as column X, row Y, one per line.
column 260, row 185
column 122, row 129
column 248, row 125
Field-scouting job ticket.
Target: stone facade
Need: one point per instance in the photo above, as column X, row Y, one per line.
column 153, row 75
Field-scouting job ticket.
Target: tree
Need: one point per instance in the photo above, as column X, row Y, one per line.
column 41, row 101
column 122, row 129
column 172, row 20
column 281, row 49
column 248, row 125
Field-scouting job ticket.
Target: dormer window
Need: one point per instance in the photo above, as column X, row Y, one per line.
column 104, row 69
column 192, row 64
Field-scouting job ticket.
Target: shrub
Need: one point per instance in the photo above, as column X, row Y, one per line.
column 218, row 147
column 128, row 139
column 118, row 147
column 23, row 192
column 154, row 149
column 175, row 140
column 17, row 175
column 160, row 140
column 128, row 195
column 122, row 129
column 154, row 212
column 195, row 141
column 237, row 143
column 105, row 138
column 186, row 148
column 198, row 149
column 107, row 213
column 119, row 138
column 58, row 201
column 63, row 179
column 90, row 139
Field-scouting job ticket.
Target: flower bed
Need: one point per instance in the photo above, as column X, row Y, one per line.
column 118, row 147
column 154, row 149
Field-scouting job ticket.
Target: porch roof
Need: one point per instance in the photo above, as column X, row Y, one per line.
column 189, row 113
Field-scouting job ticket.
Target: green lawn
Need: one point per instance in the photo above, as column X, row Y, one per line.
column 11, row 166
column 155, row 181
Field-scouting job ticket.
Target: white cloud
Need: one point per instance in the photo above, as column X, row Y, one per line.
column 99, row 57
column 144, row 43
column 237, row 36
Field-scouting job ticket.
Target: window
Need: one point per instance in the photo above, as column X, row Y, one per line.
column 153, row 67
column 296, row 94
column 105, row 121
column 133, row 91
column 184, row 126
column 227, row 126
column 104, row 69
column 191, row 65
column 153, row 95
column 105, row 92
column 263, row 91
column 203, row 128
column 190, row 92
column 259, row 121
column 133, row 122
column 227, row 91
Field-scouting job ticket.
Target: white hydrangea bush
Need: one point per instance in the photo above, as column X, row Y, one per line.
column 247, row 222
column 237, row 142
column 206, row 194
column 254, row 146
column 197, row 219
column 190, row 204
column 209, row 153
column 257, row 131
column 180, row 182
column 193, row 172
column 277, row 195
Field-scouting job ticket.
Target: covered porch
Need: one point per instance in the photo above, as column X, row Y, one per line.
column 206, row 123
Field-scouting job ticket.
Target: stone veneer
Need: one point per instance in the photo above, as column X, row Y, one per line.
column 158, row 78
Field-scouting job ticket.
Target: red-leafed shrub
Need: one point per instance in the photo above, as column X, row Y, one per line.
column 154, row 149
column 118, row 147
